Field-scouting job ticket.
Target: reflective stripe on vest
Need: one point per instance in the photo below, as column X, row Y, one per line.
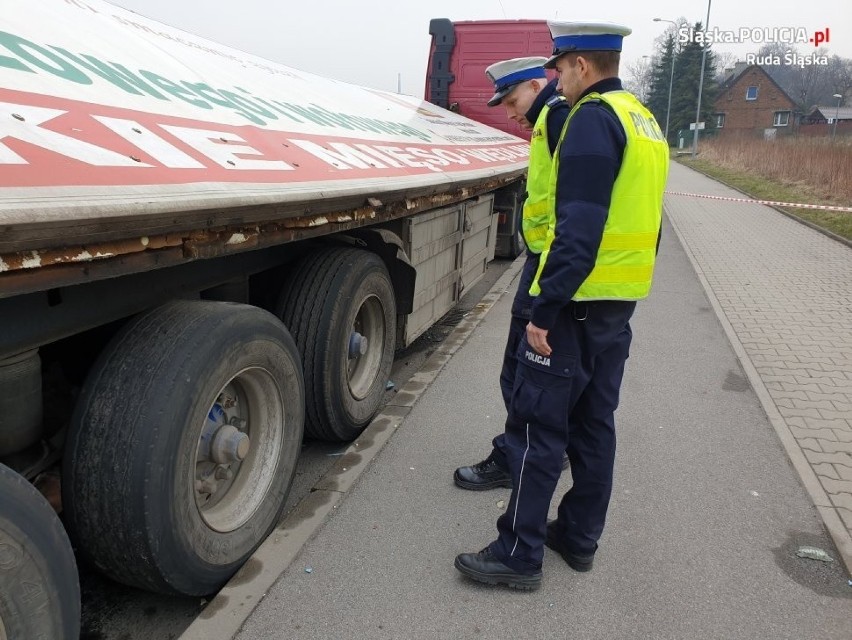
column 624, row 266
column 537, row 211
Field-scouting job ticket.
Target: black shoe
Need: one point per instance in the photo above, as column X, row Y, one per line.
column 483, row 475
column 484, row 567
column 578, row 562
column 488, row 474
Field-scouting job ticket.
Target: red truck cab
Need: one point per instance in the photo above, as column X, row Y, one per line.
column 456, row 80
column 460, row 53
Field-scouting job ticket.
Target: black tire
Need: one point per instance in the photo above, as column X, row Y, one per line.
column 134, row 451
column 320, row 303
column 39, row 588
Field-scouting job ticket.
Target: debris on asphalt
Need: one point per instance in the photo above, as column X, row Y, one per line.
column 501, row 504
column 309, row 569
column 813, row 553
column 755, row 494
column 390, row 385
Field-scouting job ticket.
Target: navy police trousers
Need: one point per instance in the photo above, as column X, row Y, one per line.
column 561, row 402
column 521, row 312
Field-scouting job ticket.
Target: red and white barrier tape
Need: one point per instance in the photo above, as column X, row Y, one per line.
column 821, row 207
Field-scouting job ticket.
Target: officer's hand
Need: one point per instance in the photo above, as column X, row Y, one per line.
column 537, row 339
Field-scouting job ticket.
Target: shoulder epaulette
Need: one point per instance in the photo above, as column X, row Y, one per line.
column 552, row 101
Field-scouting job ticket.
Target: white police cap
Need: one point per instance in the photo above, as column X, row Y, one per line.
column 508, row 74
column 584, row 36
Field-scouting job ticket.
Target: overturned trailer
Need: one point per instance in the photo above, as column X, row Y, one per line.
column 203, row 254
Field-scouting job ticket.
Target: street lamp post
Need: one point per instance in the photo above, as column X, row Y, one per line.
column 700, row 85
column 671, row 78
column 836, row 115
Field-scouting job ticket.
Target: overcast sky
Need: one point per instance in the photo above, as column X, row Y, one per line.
column 369, row 42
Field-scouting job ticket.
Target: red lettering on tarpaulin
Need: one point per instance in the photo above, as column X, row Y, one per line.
column 78, row 121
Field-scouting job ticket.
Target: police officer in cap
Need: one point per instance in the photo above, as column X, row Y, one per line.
column 606, row 191
column 521, row 86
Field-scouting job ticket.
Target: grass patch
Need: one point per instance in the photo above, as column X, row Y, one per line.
column 764, row 188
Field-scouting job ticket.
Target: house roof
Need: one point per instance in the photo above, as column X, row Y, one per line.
column 732, row 74
column 843, row 113
column 739, row 69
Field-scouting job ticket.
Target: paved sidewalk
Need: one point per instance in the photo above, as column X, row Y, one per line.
column 784, row 295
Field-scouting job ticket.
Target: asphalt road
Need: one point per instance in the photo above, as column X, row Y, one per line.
column 112, row 611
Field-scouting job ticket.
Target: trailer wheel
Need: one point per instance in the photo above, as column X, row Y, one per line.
column 183, row 445
column 340, row 307
column 39, row 588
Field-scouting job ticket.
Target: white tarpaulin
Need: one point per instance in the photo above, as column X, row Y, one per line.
column 104, row 113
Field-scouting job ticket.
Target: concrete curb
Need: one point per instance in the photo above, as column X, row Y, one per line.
column 830, row 517
column 224, row 617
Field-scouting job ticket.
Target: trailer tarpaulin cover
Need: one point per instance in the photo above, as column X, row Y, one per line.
column 107, row 115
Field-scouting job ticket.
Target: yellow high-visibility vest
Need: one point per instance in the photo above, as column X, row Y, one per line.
column 537, row 213
column 624, row 267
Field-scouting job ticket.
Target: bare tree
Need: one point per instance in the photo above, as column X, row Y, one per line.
column 724, row 60
column 807, row 81
column 807, row 84
column 660, row 40
column 637, row 78
column 838, row 76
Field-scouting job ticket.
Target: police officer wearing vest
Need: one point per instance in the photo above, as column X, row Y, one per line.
column 605, row 198
column 521, row 86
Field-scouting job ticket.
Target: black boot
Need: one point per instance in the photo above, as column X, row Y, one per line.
column 487, row 474
column 484, row 567
column 577, row 561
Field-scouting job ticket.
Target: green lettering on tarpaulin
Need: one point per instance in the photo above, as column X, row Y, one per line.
column 112, row 72
column 405, row 130
column 335, row 118
column 252, row 101
column 209, row 93
column 11, row 63
column 382, row 127
column 173, row 88
column 352, row 122
column 364, row 124
column 247, row 105
column 198, row 94
column 306, row 113
column 280, row 108
column 23, row 47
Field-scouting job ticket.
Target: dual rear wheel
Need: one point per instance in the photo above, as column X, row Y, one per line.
column 187, row 432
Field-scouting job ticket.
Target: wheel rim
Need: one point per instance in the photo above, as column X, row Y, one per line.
column 236, row 460
column 366, row 344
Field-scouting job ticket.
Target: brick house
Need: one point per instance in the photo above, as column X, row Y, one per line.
column 827, row 115
column 751, row 103
column 820, row 121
